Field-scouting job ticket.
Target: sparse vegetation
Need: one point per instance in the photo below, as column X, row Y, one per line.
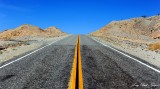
column 6, row 30
column 17, row 44
column 25, row 43
column 2, row 48
column 154, row 46
column 1, row 52
column 144, row 16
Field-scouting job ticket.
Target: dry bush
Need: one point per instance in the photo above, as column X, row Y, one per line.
column 1, row 52
column 154, row 46
column 17, row 44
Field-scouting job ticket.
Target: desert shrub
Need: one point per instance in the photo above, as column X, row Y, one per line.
column 2, row 48
column 25, row 43
column 6, row 30
column 154, row 46
column 144, row 16
column 1, row 52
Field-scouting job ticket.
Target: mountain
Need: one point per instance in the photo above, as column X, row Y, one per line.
column 29, row 30
column 53, row 31
column 135, row 28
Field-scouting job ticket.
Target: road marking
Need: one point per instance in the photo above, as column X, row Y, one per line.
column 128, row 56
column 80, row 78
column 29, row 54
column 76, row 77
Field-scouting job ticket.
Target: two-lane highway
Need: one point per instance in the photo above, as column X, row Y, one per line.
column 102, row 68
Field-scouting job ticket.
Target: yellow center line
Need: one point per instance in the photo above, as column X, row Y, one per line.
column 76, row 77
column 80, row 67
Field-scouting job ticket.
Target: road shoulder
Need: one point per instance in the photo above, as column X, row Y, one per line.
column 150, row 57
column 21, row 50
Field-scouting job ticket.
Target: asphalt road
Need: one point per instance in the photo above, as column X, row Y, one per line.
column 48, row 68
column 102, row 68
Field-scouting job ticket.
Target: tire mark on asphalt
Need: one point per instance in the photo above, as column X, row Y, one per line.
column 101, row 72
column 7, row 77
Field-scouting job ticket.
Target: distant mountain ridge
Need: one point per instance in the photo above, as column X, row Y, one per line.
column 29, row 30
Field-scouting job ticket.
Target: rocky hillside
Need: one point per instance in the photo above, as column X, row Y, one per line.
column 29, row 30
column 136, row 28
column 53, row 31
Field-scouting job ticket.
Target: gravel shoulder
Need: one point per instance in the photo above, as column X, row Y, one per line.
column 135, row 49
column 16, row 47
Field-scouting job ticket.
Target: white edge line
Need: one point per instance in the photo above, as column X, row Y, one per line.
column 128, row 56
column 30, row 53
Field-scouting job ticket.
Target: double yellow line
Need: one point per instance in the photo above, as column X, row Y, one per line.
column 76, row 77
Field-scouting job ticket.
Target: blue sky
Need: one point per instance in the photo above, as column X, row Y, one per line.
column 72, row 16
